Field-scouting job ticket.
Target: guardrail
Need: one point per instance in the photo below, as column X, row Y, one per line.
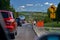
column 50, row 29
column 44, row 30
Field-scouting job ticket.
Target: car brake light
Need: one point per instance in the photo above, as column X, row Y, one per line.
column 11, row 20
column 8, row 22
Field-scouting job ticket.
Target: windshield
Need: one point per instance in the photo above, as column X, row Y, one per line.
column 31, row 15
column 5, row 14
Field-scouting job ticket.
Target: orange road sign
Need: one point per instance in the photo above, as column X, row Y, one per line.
column 52, row 15
column 52, row 8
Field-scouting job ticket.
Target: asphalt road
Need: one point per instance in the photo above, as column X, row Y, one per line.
column 26, row 33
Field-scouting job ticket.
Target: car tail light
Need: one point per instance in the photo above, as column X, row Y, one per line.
column 8, row 22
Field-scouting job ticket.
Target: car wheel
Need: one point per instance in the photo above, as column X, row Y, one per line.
column 16, row 33
column 12, row 36
column 20, row 25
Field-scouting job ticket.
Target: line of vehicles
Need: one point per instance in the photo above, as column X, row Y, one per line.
column 11, row 26
column 11, row 23
column 20, row 20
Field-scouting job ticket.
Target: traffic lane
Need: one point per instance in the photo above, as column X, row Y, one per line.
column 26, row 33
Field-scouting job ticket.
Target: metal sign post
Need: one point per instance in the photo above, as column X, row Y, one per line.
column 52, row 10
column 52, row 16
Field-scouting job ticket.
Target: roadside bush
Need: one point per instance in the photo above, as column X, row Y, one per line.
column 47, row 19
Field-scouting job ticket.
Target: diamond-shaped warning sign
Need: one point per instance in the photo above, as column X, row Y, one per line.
column 52, row 15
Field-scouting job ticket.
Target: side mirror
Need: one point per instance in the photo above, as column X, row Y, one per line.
column 50, row 36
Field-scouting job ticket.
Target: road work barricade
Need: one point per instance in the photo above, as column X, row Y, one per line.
column 40, row 24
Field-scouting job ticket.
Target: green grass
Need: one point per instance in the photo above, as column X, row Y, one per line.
column 52, row 24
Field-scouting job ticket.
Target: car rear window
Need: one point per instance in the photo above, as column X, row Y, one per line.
column 5, row 14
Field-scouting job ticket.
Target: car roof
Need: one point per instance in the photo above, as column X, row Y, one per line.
column 4, row 11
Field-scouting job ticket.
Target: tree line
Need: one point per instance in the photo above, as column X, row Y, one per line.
column 5, row 5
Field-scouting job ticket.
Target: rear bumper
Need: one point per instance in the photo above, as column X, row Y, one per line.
column 11, row 27
column 8, row 32
column 11, row 33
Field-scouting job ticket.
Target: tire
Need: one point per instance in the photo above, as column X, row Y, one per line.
column 20, row 25
column 16, row 33
column 12, row 36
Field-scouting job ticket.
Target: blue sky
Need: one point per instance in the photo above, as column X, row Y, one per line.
column 33, row 5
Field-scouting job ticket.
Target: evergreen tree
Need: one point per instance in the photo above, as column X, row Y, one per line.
column 58, row 13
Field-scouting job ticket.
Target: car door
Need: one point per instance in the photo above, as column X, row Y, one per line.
column 3, row 34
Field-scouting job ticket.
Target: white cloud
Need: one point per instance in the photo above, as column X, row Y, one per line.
column 29, row 4
column 56, row 5
column 51, row 3
column 22, row 6
column 46, row 3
